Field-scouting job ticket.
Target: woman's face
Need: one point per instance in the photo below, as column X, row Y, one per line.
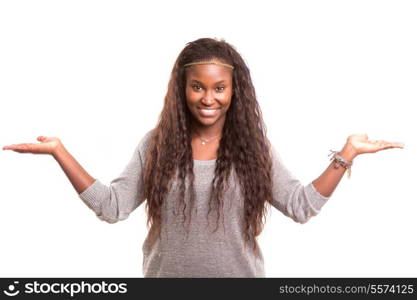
column 209, row 93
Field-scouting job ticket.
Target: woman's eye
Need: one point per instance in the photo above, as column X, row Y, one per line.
column 197, row 87
column 220, row 88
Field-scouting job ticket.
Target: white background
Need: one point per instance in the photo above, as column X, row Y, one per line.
column 94, row 73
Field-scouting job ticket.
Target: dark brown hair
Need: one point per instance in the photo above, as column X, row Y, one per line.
column 243, row 146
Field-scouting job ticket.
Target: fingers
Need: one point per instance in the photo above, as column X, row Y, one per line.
column 387, row 145
column 9, row 147
column 398, row 145
column 24, row 147
column 20, row 151
column 42, row 138
column 19, row 147
column 391, row 144
column 359, row 135
column 384, row 143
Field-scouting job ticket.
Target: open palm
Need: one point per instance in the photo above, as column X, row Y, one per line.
column 362, row 144
column 47, row 145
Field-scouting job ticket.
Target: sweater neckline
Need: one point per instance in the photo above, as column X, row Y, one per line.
column 205, row 162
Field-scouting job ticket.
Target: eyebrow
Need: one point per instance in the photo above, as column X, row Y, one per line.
column 195, row 80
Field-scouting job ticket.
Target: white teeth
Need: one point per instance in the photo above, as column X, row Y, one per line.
column 208, row 112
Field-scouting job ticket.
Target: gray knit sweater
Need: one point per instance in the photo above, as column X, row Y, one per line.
column 203, row 253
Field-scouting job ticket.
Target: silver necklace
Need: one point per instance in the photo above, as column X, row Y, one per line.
column 205, row 141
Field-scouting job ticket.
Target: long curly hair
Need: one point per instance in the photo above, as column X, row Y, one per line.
column 244, row 145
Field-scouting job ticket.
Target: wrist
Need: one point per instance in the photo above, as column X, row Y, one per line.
column 58, row 151
column 348, row 152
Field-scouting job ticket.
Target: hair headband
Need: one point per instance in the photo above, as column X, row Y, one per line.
column 210, row 62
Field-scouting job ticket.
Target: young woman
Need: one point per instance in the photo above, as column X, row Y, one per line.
column 207, row 172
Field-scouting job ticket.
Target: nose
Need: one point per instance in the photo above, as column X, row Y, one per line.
column 208, row 98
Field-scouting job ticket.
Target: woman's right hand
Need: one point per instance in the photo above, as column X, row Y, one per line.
column 47, row 145
column 78, row 177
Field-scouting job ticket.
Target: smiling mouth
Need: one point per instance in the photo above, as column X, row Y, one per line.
column 208, row 112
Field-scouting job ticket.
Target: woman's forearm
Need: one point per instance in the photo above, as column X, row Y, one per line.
column 327, row 182
column 78, row 177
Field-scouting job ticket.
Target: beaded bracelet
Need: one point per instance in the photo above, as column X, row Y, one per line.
column 340, row 161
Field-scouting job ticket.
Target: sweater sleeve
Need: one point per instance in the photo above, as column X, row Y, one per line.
column 290, row 196
column 114, row 202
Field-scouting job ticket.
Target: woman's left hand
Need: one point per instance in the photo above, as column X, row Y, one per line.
column 359, row 143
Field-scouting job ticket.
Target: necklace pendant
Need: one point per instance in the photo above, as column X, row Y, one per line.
column 203, row 143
